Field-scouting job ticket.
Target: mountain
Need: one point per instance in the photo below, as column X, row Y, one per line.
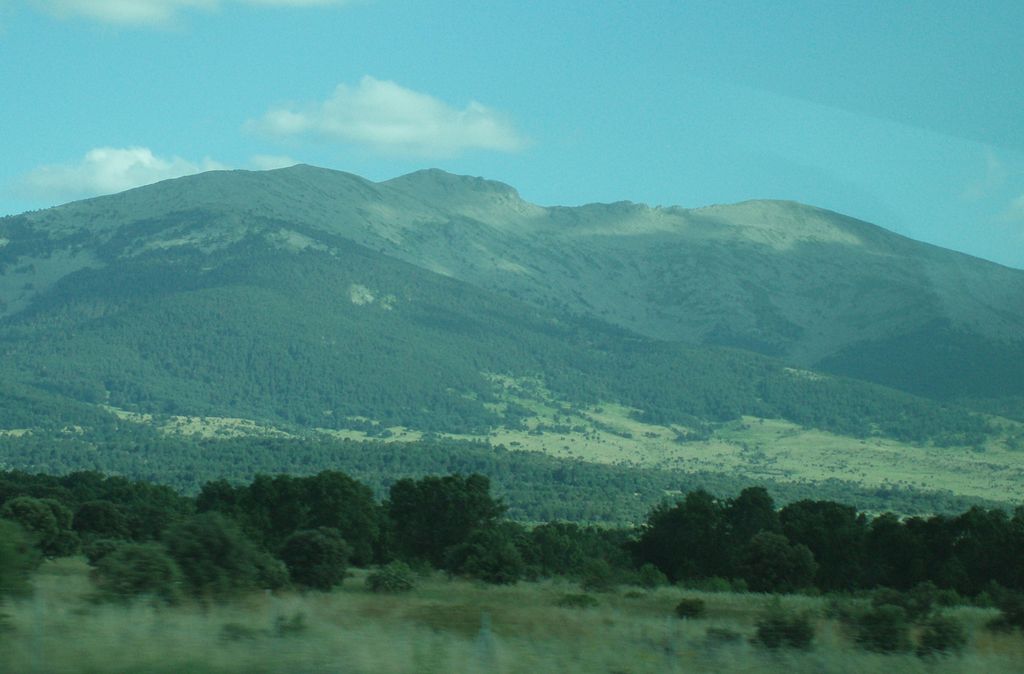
column 813, row 287
column 304, row 300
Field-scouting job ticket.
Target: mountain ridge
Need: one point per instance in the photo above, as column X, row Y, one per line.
column 781, row 278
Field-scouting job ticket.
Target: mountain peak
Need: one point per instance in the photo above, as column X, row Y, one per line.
column 438, row 181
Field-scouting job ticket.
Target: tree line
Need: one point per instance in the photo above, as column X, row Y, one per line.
column 304, row 531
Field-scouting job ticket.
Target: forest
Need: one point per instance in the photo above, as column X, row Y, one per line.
column 281, row 530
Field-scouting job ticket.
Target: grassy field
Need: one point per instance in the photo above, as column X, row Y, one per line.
column 768, row 449
column 445, row 626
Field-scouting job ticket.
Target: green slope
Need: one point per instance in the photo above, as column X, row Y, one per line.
column 335, row 334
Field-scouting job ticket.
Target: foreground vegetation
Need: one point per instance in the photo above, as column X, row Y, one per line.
column 451, row 625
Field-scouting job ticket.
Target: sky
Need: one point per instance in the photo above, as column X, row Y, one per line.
column 906, row 114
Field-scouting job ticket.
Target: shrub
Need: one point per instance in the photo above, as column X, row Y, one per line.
column 290, row 626
column 215, row 558
column 18, row 558
column 135, row 569
column 316, row 558
column 691, row 607
column 576, row 601
column 392, row 578
column 489, row 555
column 942, row 635
column 1011, row 613
column 239, row 632
column 719, row 636
column 46, row 520
column 97, row 549
column 918, row 603
column 883, row 629
column 778, row 629
column 598, row 576
column 650, row 576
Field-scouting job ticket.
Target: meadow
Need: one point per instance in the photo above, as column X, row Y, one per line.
column 444, row 625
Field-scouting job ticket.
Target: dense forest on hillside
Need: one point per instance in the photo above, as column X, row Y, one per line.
column 535, row 487
column 299, row 338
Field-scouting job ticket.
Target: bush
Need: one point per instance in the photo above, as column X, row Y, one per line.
column 99, row 548
column 883, row 629
column 918, row 603
column 46, row 520
column 650, row 576
column 18, row 558
column 597, row 576
column 132, row 570
column 720, row 636
column 489, row 555
column 316, row 558
column 393, row 578
column 291, row 626
column 1011, row 613
column 942, row 635
column 778, row 629
column 215, row 558
column 576, row 601
column 691, row 607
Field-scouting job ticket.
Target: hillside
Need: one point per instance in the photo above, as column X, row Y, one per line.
column 304, row 300
column 816, row 288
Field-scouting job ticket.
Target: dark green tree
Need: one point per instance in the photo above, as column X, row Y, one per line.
column 835, row 535
column 488, row 554
column 100, row 519
column 687, row 540
column 215, row 558
column 316, row 558
column 432, row 514
column 770, row 563
column 47, row 520
column 18, row 558
column 138, row 569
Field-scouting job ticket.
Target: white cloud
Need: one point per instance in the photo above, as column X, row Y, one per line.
column 394, row 120
column 105, row 170
column 154, row 12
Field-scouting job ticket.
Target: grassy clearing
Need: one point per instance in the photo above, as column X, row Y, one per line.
column 759, row 449
column 442, row 626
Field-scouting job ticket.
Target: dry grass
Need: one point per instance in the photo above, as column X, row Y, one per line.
column 443, row 626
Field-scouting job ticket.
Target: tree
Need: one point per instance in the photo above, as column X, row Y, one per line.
column 835, row 535
column 430, row 515
column 214, row 556
column 488, row 554
column 272, row 508
column 18, row 558
column 100, row 519
column 47, row 520
column 686, row 540
column 137, row 569
column 770, row 563
column 316, row 558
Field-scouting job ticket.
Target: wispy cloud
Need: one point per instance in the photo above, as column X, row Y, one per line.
column 155, row 12
column 391, row 119
column 105, row 170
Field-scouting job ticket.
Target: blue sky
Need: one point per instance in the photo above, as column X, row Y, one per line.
column 906, row 114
